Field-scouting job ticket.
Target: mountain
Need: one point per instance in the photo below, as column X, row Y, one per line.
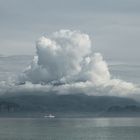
column 68, row 104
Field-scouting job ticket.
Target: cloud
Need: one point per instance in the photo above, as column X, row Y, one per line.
column 66, row 58
column 65, row 63
column 60, row 59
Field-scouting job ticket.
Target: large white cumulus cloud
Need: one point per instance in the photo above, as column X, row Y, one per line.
column 65, row 62
column 60, row 58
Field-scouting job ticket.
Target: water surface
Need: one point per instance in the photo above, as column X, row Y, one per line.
column 70, row 129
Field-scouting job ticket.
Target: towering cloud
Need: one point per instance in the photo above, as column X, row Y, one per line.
column 66, row 62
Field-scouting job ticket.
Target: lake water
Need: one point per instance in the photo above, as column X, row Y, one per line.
column 70, row 129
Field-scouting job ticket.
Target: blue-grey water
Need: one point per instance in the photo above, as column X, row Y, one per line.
column 70, row 129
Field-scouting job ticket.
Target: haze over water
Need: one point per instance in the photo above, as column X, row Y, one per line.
column 70, row 129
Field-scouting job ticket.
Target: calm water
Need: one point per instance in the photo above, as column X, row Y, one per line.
column 70, row 129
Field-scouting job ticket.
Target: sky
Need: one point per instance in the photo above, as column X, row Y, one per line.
column 73, row 43
column 66, row 63
column 113, row 26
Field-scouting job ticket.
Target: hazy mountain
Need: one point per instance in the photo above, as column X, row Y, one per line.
column 101, row 105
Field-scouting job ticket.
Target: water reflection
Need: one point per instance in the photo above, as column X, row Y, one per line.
column 70, row 129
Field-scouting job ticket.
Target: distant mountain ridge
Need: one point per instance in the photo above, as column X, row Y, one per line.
column 75, row 103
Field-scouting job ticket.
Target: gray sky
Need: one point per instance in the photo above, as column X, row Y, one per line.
column 113, row 25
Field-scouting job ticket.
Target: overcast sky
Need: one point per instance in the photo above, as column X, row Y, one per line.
column 113, row 25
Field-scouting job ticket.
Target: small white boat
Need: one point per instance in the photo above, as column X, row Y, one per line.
column 49, row 116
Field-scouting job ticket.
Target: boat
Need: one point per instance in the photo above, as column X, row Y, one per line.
column 49, row 116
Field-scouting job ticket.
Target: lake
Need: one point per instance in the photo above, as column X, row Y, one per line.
column 70, row 129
